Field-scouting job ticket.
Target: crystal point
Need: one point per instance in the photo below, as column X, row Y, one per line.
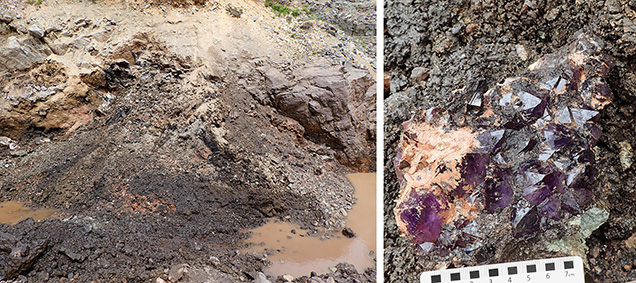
column 498, row 194
column 527, row 223
column 490, row 141
column 421, row 217
column 557, row 136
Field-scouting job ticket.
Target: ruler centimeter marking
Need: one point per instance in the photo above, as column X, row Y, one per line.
column 555, row 270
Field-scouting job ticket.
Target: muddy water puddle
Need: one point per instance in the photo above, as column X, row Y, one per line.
column 12, row 212
column 298, row 254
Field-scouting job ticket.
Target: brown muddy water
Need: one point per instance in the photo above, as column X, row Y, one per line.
column 12, row 212
column 298, row 254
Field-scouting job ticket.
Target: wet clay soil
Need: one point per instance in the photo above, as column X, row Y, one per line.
column 296, row 252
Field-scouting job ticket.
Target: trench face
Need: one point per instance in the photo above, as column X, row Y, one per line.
column 169, row 188
column 160, row 136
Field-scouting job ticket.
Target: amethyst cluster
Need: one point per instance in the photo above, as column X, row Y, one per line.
column 523, row 149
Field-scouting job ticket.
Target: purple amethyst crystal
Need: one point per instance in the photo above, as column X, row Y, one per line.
column 422, row 217
column 551, row 208
column 490, row 141
column 473, row 169
column 522, row 150
column 536, row 194
column 498, row 192
column 557, row 136
column 594, row 132
column 526, row 222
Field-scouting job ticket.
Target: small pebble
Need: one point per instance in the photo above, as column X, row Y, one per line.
column 521, row 52
column 471, row 27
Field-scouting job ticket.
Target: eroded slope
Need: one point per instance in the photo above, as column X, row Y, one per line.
column 162, row 133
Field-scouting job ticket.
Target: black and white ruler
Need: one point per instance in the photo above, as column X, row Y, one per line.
column 554, row 270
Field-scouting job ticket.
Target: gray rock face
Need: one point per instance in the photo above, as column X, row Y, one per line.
column 275, row 79
column 37, row 31
column 332, row 104
column 22, row 255
column 21, row 52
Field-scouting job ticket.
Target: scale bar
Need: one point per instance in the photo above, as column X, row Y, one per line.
column 556, row 270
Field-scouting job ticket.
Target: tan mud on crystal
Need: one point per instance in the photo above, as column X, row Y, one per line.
column 12, row 212
column 300, row 255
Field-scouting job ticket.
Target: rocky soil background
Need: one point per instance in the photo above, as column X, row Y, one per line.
column 435, row 47
column 163, row 131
